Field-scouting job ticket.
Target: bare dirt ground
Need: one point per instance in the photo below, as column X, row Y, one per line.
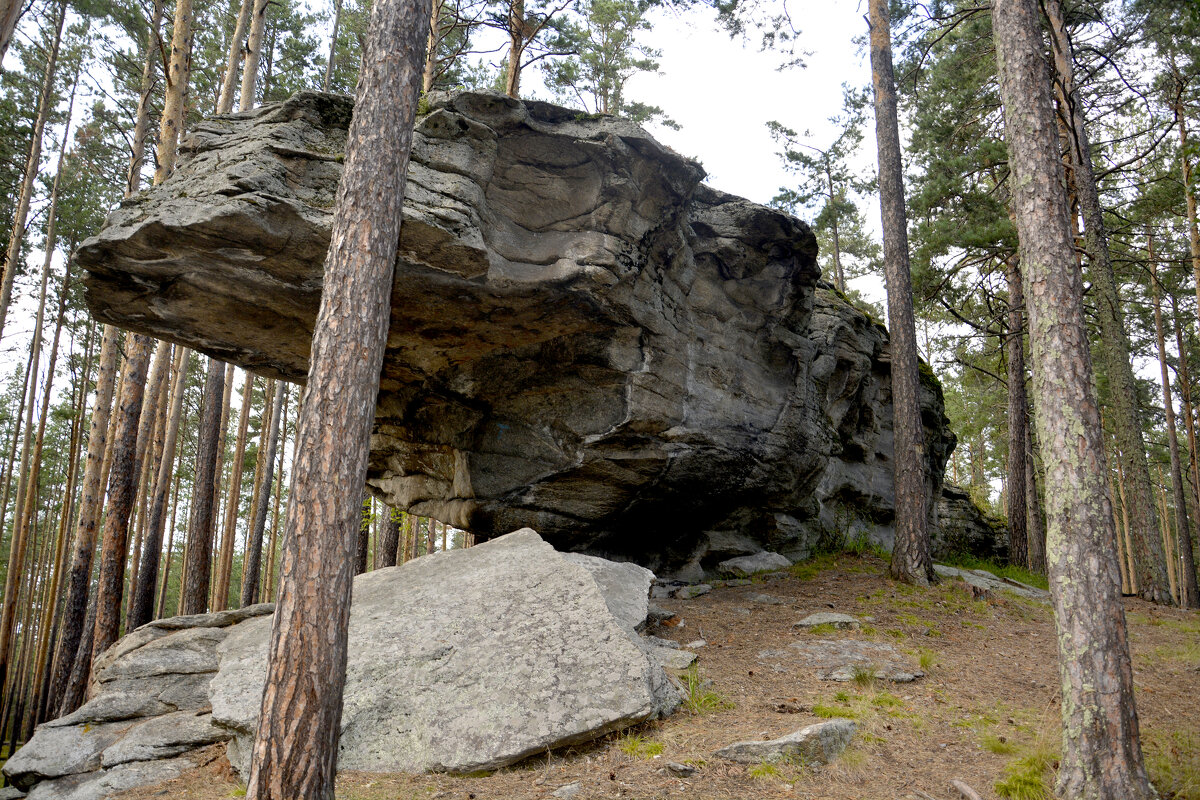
column 987, row 707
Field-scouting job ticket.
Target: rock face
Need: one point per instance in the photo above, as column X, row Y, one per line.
column 461, row 660
column 810, row 746
column 584, row 338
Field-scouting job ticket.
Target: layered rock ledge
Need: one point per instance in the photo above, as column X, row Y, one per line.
column 585, row 339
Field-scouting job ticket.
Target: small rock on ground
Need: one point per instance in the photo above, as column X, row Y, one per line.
column 809, row 746
column 767, row 599
column 670, row 658
column 680, row 770
column 745, row 566
column 568, row 791
column 844, row 621
column 695, row 590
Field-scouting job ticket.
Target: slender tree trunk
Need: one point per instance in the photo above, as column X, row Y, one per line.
column 516, row 47
column 1189, row 596
column 389, row 541
column 229, row 533
column 141, row 126
column 333, row 37
column 91, row 500
column 1189, row 189
column 151, row 438
column 254, row 550
column 1124, row 414
column 258, row 24
column 171, row 124
column 269, row 583
column 32, row 167
column 431, row 47
column 229, row 82
column 219, row 472
column 363, row 545
column 160, row 609
column 10, row 14
column 1185, row 385
column 125, row 469
column 910, row 554
column 198, row 568
column 1018, row 533
column 295, row 748
column 142, row 606
column 77, row 678
column 1036, row 531
column 260, row 466
column 1101, row 755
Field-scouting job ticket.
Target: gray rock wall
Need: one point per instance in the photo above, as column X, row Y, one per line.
column 585, row 339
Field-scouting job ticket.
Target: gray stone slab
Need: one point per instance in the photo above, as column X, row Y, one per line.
column 810, row 746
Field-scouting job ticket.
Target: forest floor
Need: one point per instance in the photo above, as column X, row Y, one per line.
column 986, row 712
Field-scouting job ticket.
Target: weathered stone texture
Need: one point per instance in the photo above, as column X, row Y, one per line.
column 585, row 339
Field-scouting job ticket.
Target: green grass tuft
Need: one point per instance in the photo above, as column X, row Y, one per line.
column 832, row 712
column 1173, row 762
column 863, row 675
column 998, row 745
column 637, row 746
column 1029, row 777
column 763, row 770
column 966, row 561
column 698, row 698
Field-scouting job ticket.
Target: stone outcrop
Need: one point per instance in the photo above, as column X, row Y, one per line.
column 810, row 746
column 585, row 339
column 461, row 660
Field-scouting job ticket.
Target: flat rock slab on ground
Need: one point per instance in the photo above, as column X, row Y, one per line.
column 531, row 659
column 985, row 580
column 836, row 659
column 745, row 566
column 809, row 746
column 109, row 782
column 695, row 590
column 843, row 621
column 767, row 599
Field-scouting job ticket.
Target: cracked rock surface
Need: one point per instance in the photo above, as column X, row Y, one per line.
column 584, row 338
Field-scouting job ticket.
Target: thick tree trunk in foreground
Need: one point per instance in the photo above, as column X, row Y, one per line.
column 1102, row 757
column 126, row 467
column 1186, row 577
column 910, row 554
column 258, row 524
column 1018, row 529
column 295, row 748
column 1124, row 414
column 198, row 567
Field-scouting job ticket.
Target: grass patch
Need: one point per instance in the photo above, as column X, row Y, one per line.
column 1173, row 762
column 1029, row 777
column 832, row 712
column 807, row 570
column 698, row 697
column 824, row 629
column 763, row 770
column 999, row 745
column 239, row 790
column 863, row 675
column 965, row 561
column 927, row 659
column 896, row 633
column 886, row 700
column 1188, row 652
column 637, row 746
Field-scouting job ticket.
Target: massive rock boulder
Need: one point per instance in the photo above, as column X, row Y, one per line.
column 585, row 339
column 461, row 660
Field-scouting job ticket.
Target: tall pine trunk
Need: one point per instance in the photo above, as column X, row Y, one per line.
column 1101, row 755
column 253, row 567
column 295, row 747
column 1124, row 413
column 1018, row 405
column 198, row 565
column 229, row 81
column 233, row 504
column 910, row 553
column 1189, row 597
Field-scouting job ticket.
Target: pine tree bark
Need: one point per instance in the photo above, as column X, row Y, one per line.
column 1124, row 413
column 333, row 38
column 1189, row 595
column 91, row 500
column 141, row 126
column 516, row 47
column 178, row 73
column 363, row 545
column 1036, row 530
column 269, row 582
column 198, row 566
column 229, row 81
column 125, row 469
column 258, row 526
column 389, row 541
column 229, row 532
column 1101, row 754
column 10, row 14
column 32, row 167
column 142, row 606
column 1018, row 529
column 295, row 748
column 258, row 24
column 910, row 553
column 1185, row 385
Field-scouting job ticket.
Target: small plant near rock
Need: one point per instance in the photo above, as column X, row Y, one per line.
column 886, row 700
column 636, row 746
column 698, row 697
column 896, row 633
column 824, row 629
column 863, row 675
column 927, row 659
column 763, row 770
column 832, row 712
column 239, row 790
